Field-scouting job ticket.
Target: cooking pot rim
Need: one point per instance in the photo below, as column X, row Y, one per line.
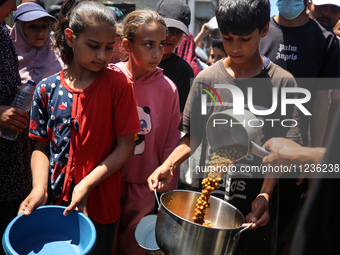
column 200, row 225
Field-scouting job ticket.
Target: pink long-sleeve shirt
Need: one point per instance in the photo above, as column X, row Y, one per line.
column 159, row 114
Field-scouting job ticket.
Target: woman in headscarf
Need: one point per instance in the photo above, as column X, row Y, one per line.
column 31, row 37
column 15, row 172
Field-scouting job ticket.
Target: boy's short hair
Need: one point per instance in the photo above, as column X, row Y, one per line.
column 241, row 17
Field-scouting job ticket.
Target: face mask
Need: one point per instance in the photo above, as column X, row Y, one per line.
column 290, row 9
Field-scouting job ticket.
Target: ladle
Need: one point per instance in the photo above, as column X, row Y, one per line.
column 225, row 129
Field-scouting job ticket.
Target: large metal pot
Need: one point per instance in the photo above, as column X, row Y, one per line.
column 177, row 234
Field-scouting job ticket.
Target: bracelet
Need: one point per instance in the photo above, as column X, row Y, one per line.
column 265, row 195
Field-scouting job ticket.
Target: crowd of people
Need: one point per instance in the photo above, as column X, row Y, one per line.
column 132, row 89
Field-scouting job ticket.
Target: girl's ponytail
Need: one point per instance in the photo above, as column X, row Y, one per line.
column 66, row 52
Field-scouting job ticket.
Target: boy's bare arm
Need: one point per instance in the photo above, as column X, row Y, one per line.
column 202, row 34
column 260, row 213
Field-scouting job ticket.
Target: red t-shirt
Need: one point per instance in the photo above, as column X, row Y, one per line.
column 85, row 134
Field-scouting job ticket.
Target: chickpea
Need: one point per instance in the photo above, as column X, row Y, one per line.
column 222, row 157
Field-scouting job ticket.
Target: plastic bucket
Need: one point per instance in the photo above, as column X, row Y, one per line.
column 47, row 231
column 145, row 234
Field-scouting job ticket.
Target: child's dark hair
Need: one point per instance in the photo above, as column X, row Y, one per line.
column 77, row 15
column 138, row 18
column 241, row 17
column 219, row 45
column 63, row 16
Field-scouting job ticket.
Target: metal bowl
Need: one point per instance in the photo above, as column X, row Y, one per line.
column 177, row 234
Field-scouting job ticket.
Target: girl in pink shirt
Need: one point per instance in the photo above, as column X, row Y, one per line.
column 158, row 109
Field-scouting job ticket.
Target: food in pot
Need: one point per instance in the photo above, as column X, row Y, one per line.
column 209, row 185
column 220, row 160
column 208, row 223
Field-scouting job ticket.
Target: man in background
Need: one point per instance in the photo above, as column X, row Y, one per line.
column 302, row 46
column 326, row 12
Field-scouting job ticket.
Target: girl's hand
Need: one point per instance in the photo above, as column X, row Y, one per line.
column 160, row 178
column 36, row 198
column 79, row 199
column 260, row 213
column 13, row 118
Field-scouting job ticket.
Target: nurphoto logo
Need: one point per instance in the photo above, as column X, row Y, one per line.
column 239, row 102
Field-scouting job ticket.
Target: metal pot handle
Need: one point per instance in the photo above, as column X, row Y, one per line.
column 159, row 206
column 244, row 229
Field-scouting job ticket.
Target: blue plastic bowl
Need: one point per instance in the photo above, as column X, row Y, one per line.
column 48, row 231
